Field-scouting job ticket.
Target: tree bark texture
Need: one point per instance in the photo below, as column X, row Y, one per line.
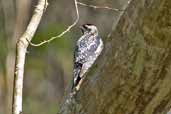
column 133, row 73
column 21, row 50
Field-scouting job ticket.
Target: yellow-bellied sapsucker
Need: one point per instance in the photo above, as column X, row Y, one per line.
column 88, row 48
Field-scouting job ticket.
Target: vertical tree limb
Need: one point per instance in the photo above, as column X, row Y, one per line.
column 21, row 49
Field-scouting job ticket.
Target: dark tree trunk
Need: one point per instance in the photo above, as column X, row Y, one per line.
column 133, row 74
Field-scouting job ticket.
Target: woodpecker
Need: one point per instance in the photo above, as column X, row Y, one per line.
column 88, row 48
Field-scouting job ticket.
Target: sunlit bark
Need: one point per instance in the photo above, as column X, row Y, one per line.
column 22, row 45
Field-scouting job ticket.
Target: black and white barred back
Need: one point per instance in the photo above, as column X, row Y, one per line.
column 88, row 48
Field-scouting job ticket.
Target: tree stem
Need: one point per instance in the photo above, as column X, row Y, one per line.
column 21, row 49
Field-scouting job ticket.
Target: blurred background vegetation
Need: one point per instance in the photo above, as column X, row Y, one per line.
column 48, row 68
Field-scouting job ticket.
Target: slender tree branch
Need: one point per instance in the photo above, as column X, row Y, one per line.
column 99, row 7
column 64, row 32
column 22, row 45
column 75, row 22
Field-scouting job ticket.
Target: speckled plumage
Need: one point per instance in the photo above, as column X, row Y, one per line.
column 88, row 48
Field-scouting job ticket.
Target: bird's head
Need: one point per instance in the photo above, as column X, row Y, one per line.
column 89, row 28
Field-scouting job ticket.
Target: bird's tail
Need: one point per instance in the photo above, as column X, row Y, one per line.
column 76, row 78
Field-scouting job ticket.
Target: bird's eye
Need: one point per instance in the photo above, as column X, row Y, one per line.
column 88, row 29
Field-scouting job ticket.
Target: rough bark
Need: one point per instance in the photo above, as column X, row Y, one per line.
column 133, row 74
column 21, row 50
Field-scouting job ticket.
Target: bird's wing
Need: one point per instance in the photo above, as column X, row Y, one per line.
column 86, row 48
column 79, row 60
column 82, row 54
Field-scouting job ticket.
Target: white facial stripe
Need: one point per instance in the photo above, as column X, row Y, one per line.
column 92, row 28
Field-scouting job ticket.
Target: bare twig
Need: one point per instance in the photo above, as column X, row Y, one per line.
column 75, row 22
column 99, row 7
column 22, row 45
column 64, row 32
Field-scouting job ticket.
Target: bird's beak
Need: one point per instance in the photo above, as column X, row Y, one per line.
column 81, row 27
